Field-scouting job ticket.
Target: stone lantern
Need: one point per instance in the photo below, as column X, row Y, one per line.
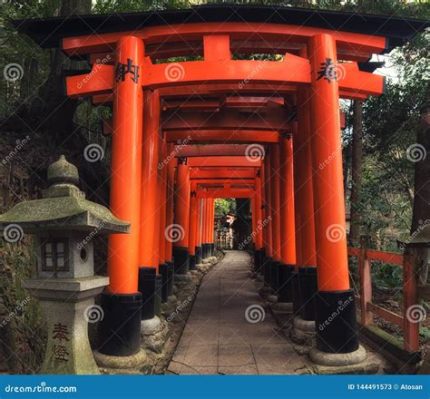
column 64, row 223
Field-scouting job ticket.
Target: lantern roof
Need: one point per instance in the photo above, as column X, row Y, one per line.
column 48, row 32
column 63, row 207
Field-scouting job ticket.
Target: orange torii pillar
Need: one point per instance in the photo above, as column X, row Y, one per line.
column 306, row 283
column 163, row 256
column 266, row 220
column 193, row 227
column 203, row 229
column 275, row 166
column 171, row 168
column 268, row 212
column 258, row 223
column 119, row 331
column 178, row 233
column 205, row 245
column 288, row 243
column 335, row 335
column 212, row 227
column 149, row 211
column 199, row 254
column 208, row 228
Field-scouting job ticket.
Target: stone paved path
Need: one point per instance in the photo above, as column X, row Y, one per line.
column 217, row 338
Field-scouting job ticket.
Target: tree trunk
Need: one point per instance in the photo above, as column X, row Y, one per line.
column 421, row 209
column 53, row 108
column 356, row 172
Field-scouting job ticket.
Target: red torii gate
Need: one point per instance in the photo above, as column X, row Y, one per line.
column 325, row 57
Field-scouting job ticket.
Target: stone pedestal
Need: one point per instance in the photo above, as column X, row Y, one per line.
column 68, row 305
column 303, row 332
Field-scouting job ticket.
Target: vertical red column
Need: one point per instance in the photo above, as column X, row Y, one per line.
column 150, row 206
column 258, row 223
column 193, row 227
column 164, row 256
column 275, row 162
column 304, row 298
column 334, row 293
column 119, row 332
column 288, row 243
column 171, row 166
column 179, row 231
column 210, row 229
column 268, row 211
column 199, row 255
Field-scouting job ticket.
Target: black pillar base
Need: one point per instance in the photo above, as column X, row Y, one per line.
column 198, row 255
column 267, row 270
column 297, row 302
column 147, row 277
column 157, row 297
column 192, row 262
column 257, row 264
column 164, row 272
column 336, row 323
column 205, row 249
column 308, row 288
column 274, row 275
column 181, row 259
column 285, row 287
column 258, row 260
column 212, row 249
column 170, row 279
column 119, row 330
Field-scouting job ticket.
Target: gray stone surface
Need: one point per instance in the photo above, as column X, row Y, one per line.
column 219, row 340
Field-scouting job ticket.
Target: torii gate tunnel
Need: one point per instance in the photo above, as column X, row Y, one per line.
column 221, row 124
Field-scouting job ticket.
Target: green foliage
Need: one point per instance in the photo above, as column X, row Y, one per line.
column 224, row 206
